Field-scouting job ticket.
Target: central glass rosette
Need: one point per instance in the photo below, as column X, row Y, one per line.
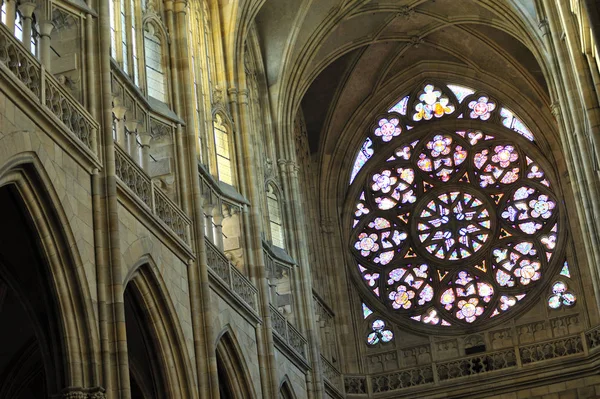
column 453, row 224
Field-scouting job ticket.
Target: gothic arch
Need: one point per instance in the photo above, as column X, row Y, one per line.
column 157, row 317
column 71, row 344
column 285, row 389
column 233, row 367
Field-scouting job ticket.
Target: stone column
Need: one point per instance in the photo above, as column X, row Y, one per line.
column 145, row 161
column 26, row 10
column 200, row 297
column 119, row 112
column 210, row 232
column 44, row 43
column 131, row 129
column 217, row 213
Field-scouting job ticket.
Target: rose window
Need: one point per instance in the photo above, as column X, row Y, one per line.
column 453, row 227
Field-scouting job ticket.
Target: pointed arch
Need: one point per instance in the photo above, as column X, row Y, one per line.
column 223, row 139
column 285, row 389
column 69, row 342
column 156, row 50
column 232, row 368
column 157, row 318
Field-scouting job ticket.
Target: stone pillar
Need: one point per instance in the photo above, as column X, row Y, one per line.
column 210, row 233
column 131, row 146
column 145, row 161
column 26, row 10
column 119, row 112
column 217, row 213
column 11, row 13
column 44, row 43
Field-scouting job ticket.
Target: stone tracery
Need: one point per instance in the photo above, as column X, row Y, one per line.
column 452, row 227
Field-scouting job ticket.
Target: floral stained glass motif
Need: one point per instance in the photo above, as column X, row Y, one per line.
column 561, row 296
column 379, row 333
column 393, row 188
column 432, row 103
column 529, row 209
column 363, row 156
column 388, row 129
column 497, row 165
column 461, row 92
column 441, row 157
column 482, row 108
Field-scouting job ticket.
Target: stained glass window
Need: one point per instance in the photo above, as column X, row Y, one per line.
column 454, row 226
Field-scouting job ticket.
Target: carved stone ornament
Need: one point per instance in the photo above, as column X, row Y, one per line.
column 159, row 130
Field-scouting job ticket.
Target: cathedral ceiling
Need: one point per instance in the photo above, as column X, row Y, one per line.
column 338, row 53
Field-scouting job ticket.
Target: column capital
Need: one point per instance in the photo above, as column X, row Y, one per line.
column 132, row 125
column 244, row 98
column 145, row 139
column 181, row 6
column 27, row 9
column 119, row 112
column 46, row 28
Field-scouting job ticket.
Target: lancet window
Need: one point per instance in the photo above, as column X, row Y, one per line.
column 275, row 217
column 223, row 150
column 141, row 53
column 456, row 215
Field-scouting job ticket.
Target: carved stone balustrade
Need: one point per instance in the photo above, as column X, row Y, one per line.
column 333, row 377
column 234, row 281
column 46, row 89
column 286, row 334
column 502, row 366
column 140, row 184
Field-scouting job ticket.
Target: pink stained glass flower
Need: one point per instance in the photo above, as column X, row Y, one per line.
column 440, row 145
column 504, row 155
column 383, row 181
column 481, row 108
column 541, row 206
column 402, row 297
column 388, row 129
column 367, row 244
column 527, row 271
column 469, row 310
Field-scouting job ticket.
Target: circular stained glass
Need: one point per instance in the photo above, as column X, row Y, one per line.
column 453, row 228
column 454, row 224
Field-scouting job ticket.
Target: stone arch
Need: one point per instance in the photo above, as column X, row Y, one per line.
column 157, row 317
column 69, row 341
column 285, row 389
column 232, row 368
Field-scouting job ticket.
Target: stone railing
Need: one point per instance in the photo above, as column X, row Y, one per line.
column 134, row 177
column 230, row 275
column 287, row 332
column 46, row 88
column 515, row 359
column 332, row 375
